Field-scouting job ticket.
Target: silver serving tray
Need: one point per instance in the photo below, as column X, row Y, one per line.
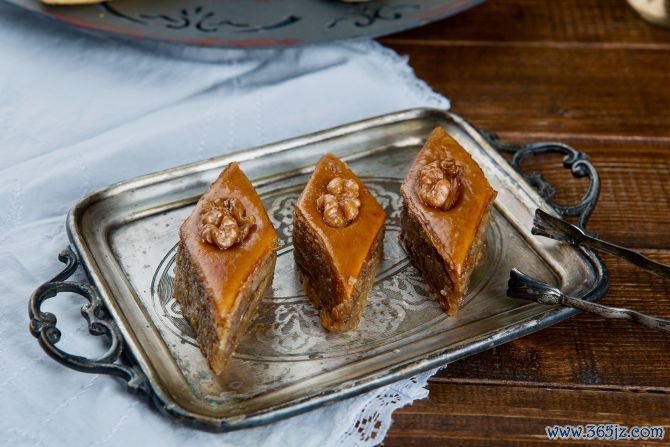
column 125, row 237
column 250, row 24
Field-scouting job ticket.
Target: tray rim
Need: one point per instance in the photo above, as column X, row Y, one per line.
column 164, row 401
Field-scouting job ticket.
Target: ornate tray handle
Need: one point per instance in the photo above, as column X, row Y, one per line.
column 525, row 287
column 578, row 162
column 115, row 361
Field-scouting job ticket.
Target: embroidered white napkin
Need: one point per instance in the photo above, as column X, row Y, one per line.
column 81, row 111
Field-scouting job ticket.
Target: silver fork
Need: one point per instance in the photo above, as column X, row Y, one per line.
column 523, row 286
column 552, row 227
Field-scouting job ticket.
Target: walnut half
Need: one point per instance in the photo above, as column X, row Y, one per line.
column 440, row 184
column 225, row 223
column 339, row 205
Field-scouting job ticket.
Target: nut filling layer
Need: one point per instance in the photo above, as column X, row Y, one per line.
column 440, row 184
column 339, row 206
column 225, row 223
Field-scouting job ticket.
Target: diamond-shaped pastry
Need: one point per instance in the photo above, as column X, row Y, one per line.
column 225, row 264
column 446, row 206
column 338, row 238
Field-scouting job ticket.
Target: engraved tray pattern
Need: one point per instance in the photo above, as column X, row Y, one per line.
column 288, row 328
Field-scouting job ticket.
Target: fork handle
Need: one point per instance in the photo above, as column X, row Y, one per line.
column 617, row 313
column 525, row 287
column 627, row 254
column 544, row 224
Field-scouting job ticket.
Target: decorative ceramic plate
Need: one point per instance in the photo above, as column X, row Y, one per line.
column 251, row 23
column 125, row 235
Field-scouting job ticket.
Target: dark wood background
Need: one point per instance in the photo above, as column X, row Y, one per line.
column 592, row 74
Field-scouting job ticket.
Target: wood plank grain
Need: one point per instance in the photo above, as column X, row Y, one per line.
column 477, row 415
column 559, row 23
column 592, row 74
column 587, row 350
column 608, row 95
column 634, row 210
column 634, row 205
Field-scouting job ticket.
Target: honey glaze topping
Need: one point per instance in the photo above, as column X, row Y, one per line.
column 453, row 222
column 347, row 245
column 225, row 270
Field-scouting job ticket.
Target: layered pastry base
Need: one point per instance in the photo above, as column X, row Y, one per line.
column 225, row 264
column 338, row 239
column 446, row 206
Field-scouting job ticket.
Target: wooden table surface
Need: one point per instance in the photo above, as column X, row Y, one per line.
column 589, row 73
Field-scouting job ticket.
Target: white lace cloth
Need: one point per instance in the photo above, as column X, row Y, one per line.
column 78, row 112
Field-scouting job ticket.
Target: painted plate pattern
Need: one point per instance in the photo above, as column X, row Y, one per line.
column 250, row 23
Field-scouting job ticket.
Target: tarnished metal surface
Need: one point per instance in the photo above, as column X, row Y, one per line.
column 125, row 237
column 544, row 224
column 248, row 24
column 578, row 163
column 547, row 225
column 43, row 327
column 525, row 287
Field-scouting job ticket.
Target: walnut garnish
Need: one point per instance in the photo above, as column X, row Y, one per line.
column 339, row 206
column 440, row 184
column 225, row 223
